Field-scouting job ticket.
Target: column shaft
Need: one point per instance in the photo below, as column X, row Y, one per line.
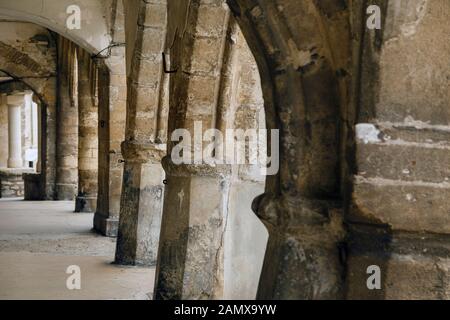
column 27, row 131
column 141, row 205
column 15, row 131
column 191, row 250
column 111, row 129
column 190, row 257
column 142, row 192
column 37, row 142
column 86, row 200
column 67, row 125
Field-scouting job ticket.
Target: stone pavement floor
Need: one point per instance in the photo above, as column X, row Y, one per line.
column 40, row 240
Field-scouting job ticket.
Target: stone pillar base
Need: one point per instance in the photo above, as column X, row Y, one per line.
column 190, row 257
column 33, row 187
column 302, row 260
column 140, row 215
column 106, row 226
column 85, row 204
column 141, row 205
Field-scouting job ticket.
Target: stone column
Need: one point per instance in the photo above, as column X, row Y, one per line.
column 190, row 257
column 67, row 124
column 37, row 133
column 141, row 206
column 112, row 101
column 86, row 200
column 48, row 124
column 111, row 129
column 142, row 191
column 27, row 128
column 15, row 103
column 191, row 250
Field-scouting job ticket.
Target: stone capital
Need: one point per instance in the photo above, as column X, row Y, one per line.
column 294, row 213
column 137, row 152
column 15, row 99
column 190, row 170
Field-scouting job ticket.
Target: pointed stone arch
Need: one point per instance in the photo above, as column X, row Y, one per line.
column 302, row 49
column 102, row 36
column 42, row 80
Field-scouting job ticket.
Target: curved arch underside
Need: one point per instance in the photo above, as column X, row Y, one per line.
column 43, row 84
column 95, row 33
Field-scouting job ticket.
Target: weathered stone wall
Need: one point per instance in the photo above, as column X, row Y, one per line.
column 12, row 183
column 399, row 211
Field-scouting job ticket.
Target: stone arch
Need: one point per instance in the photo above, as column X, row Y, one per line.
column 29, row 71
column 301, row 49
column 95, row 33
column 41, row 79
column 102, row 36
column 37, row 184
column 36, row 85
column 202, row 53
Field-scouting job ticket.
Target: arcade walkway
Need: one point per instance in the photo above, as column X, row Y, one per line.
column 39, row 240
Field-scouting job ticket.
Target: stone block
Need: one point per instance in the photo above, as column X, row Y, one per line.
column 155, row 15
column 403, row 277
column 152, row 44
column 402, row 206
column 205, row 56
column 211, row 20
column 201, row 98
column 406, row 162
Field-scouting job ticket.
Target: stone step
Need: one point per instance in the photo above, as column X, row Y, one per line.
column 406, row 161
column 403, row 205
column 415, row 131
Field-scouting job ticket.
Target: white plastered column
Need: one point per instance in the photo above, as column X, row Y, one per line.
column 27, row 134
column 36, row 133
column 15, row 102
